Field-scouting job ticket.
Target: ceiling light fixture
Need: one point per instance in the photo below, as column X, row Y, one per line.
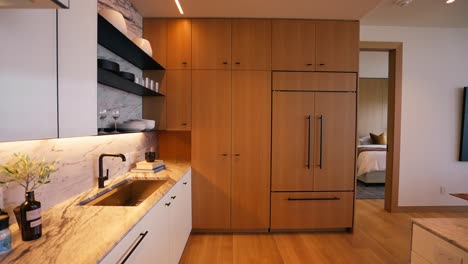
column 402, row 3
column 450, row 1
column 178, row 6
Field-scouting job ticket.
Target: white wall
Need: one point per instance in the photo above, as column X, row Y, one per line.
column 373, row 64
column 435, row 68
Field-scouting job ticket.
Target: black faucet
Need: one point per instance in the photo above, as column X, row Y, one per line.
column 101, row 177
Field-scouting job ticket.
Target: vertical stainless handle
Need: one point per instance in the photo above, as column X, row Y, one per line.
column 321, row 141
column 141, row 236
column 308, row 142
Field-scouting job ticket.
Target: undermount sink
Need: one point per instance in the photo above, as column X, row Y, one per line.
column 130, row 192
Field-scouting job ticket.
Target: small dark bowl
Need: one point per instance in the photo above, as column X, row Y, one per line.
column 108, row 65
column 150, row 156
column 127, row 75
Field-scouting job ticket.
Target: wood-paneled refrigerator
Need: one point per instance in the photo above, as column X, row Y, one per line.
column 313, row 150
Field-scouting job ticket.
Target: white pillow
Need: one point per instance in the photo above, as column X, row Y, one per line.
column 365, row 140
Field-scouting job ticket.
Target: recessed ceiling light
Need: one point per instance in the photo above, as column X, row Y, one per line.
column 402, row 3
column 178, row 6
column 450, row 1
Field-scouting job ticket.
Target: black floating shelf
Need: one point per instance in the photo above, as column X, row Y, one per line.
column 113, row 80
column 112, row 39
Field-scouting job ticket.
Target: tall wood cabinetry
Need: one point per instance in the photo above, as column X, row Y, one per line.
column 231, row 124
column 315, row 66
column 231, row 149
column 174, row 52
column 266, row 155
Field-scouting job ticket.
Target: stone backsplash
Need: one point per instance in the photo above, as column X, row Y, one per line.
column 78, row 163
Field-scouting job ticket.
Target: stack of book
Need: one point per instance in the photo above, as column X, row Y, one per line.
column 144, row 166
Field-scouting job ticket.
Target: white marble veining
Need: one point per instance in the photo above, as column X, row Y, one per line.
column 78, row 168
column 130, row 105
column 133, row 19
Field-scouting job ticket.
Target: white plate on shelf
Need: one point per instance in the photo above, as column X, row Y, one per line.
column 131, row 126
column 149, row 124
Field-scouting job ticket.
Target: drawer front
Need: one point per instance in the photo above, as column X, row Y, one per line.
column 311, row 210
column 434, row 249
column 314, row 81
column 416, row 259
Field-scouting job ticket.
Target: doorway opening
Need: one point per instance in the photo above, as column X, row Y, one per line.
column 372, row 124
column 393, row 124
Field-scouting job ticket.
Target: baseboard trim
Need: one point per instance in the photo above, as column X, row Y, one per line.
column 434, row 209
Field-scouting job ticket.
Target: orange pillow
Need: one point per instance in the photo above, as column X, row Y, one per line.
column 379, row 139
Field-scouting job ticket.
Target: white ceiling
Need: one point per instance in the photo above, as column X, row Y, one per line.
column 426, row 13
column 319, row 9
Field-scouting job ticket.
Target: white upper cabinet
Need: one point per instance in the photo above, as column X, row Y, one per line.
column 77, row 69
column 49, row 4
column 48, row 72
column 28, row 75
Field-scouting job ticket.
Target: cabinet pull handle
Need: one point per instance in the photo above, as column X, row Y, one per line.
column 168, row 204
column 322, row 64
column 237, row 154
column 309, row 64
column 184, row 183
column 321, row 142
column 313, row 199
column 183, row 124
column 184, row 62
column 224, row 154
column 237, row 62
column 308, row 142
column 140, row 238
column 173, row 197
column 225, row 62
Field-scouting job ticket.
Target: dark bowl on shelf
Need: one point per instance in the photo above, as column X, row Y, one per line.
column 127, row 75
column 109, row 65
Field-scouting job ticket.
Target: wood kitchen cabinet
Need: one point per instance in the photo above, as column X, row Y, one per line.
column 211, row 149
column 306, row 210
column 251, row 104
column 337, row 45
column 251, row 44
column 231, row 150
column 293, row 45
column 179, row 44
column 178, row 100
column 211, row 44
column 155, row 31
column 308, row 45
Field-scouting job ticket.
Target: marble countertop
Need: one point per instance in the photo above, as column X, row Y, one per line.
column 85, row 234
column 453, row 230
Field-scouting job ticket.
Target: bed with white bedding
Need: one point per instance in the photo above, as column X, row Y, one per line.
column 371, row 163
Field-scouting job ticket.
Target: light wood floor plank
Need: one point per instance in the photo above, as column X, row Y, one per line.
column 378, row 237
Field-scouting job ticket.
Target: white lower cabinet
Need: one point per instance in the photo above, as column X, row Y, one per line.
column 180, row 215
column 160, row 236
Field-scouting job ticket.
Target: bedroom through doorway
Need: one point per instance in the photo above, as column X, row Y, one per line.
column 372, row 124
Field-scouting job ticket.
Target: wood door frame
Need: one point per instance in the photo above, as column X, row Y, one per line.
column 392, row 175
